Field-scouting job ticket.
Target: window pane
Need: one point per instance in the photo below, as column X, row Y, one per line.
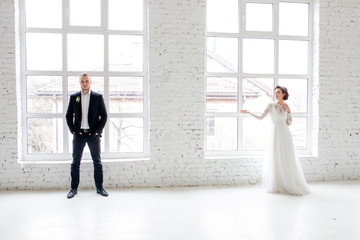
column 38, row 10
column 126, row 53
column 298, row 95
column 45, row 135
column 259, row 17
column 293, row 57
column 257, row 93
column 258, row 56
column 222, row 16
column 74, row 84
column 85, row 12
column 85, row 52
column 44, row 94
column 221, row 94
column 299, row 131
column 126, row 134
column 43, row 51
column 255, row 133
column 126, row 15
column 222, row 54
column 293, row 19
column 126, row 94
column 222, row 134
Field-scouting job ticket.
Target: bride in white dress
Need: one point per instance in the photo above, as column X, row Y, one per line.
column 282, row 172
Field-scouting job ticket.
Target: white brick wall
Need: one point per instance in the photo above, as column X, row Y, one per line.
column 10, row 171
column 177, row 96
column 339, row 74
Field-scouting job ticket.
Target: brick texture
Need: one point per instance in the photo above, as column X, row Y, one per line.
column 177, row 103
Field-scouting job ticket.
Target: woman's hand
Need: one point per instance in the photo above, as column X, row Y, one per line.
column 244, row 111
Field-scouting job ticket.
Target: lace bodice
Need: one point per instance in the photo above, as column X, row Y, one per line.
column 278, row 114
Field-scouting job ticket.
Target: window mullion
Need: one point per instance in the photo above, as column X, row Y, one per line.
column 105, row 27
column 23, row 77
column 146, row 114
column 311, row 75
column 65, row 25
column 242, row 30
column 276, row 40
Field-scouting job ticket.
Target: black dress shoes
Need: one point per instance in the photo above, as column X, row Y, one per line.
column 72, row 193
column 102, row 192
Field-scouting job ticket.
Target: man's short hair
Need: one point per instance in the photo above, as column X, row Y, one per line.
column 84, row 75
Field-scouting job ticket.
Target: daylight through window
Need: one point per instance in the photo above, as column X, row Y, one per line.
column 252, row 46
column 61, row 39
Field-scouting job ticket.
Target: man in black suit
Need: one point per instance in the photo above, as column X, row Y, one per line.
column 86, row 117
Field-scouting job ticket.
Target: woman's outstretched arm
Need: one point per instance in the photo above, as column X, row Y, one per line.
column 264, row 114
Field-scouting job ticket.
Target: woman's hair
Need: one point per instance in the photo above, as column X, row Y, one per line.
column 283, row 90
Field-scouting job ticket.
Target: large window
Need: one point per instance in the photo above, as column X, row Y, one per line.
column 252, row 46
column 61, row 39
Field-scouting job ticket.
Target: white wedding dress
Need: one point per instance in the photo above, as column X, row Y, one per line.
column 282, row 171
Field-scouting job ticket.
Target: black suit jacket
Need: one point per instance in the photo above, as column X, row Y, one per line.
column 97, row 115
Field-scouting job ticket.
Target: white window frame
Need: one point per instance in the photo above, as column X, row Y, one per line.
column 242, row 34
column 104, row 31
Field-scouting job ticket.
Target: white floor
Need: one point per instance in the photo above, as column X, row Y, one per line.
column 332, row 211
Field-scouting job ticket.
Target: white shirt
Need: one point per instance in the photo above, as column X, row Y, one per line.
column 85, row 101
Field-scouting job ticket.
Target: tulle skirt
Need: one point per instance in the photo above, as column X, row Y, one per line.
column 282, row 171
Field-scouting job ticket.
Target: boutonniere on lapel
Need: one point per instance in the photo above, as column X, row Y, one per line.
column 78, row 99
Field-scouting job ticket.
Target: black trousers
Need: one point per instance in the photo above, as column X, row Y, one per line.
column 93, row 142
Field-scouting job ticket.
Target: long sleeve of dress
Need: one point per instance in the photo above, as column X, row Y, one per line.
column 264, row 114
column 288, row 119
